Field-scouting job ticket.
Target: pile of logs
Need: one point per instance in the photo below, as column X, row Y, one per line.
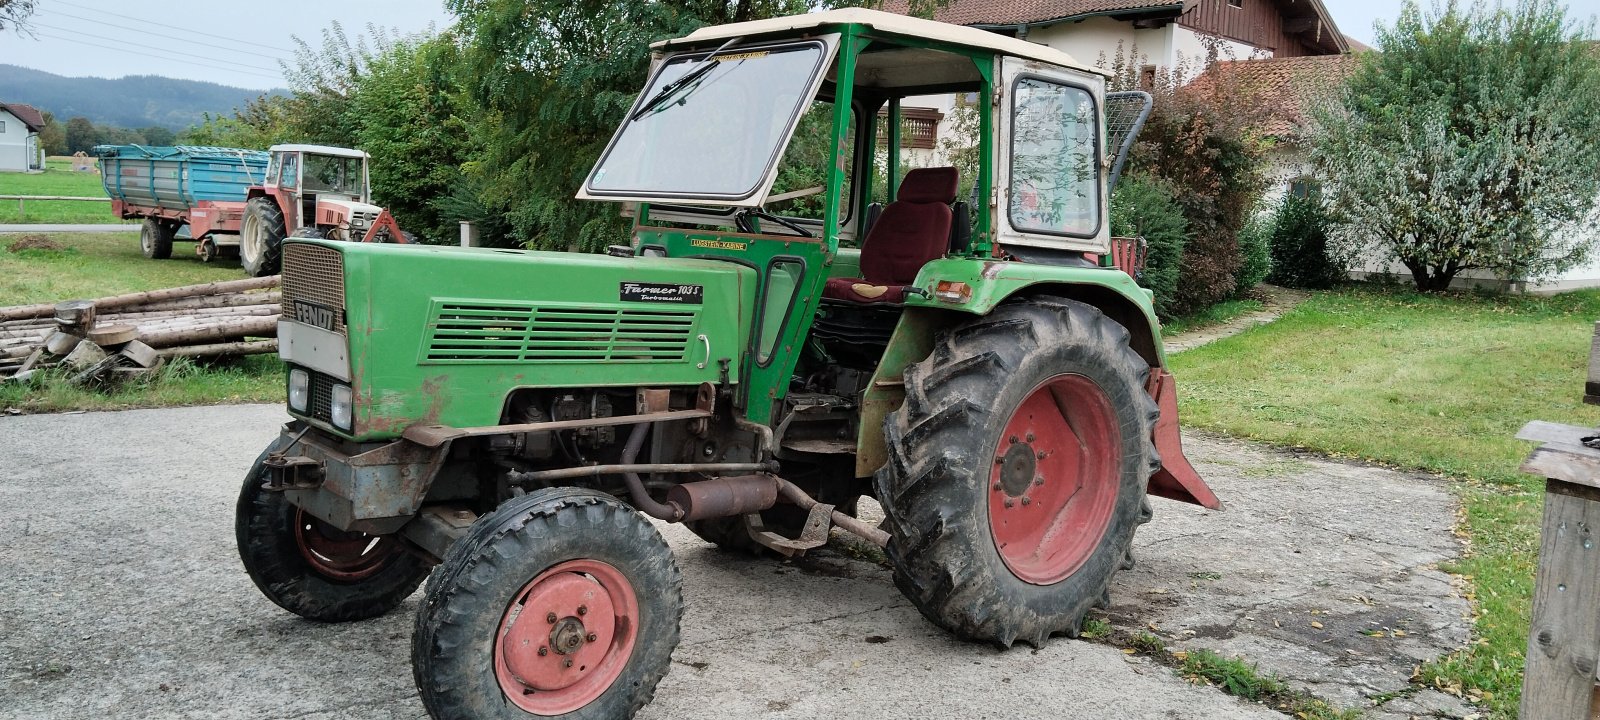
column 126, row 335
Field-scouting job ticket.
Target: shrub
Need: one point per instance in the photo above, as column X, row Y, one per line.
column 1145, row 207
column 1300, row 254
column 1255, row 252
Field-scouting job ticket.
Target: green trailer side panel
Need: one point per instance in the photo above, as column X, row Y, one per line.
column 445, row 334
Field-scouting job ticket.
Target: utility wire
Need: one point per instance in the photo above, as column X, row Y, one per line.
column 162, row 50
column 186, row 40
column 278, row 78
column 168, row 26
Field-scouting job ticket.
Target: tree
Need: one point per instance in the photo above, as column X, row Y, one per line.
column 157, row 135
column 14, row 14
column 1470, row 141
column 81, row 135
column 53, row 137
column 550, row 80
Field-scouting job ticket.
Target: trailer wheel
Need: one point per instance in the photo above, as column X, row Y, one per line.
column 561, row 602
column 1017, row 471
column 261, row 237
column 315, row 570
column 155, row 238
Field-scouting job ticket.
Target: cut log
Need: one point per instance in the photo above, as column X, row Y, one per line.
column 151, row 296
column 251, row 347
column 219, row 301
column 214, row 332
column 263, row 309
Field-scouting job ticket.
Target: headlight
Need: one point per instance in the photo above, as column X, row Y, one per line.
column 341, row 409
column 299, row 390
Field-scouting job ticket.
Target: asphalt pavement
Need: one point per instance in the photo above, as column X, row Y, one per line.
column 121, row 596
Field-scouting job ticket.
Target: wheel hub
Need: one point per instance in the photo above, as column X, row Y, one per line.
column 1055, row 480
column 566, row 637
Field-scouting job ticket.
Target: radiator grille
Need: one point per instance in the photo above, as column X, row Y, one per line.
column 314, row 274
column 513, row 332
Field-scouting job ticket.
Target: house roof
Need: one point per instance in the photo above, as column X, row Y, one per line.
column 28, row 114
column 1287, row 86
column 1019, row 12
column 889, row 23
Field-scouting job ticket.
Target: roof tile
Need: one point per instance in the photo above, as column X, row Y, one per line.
column 1011, row 12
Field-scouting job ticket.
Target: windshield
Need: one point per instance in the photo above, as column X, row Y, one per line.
column 715, row 136
column 328, row 173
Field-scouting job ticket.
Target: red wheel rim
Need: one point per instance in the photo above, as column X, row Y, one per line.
column 566, row 637
column 340, row 555
column 1055, row 479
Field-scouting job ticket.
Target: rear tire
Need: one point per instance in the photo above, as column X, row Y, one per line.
column 261, row 237
column 999, row 534
column 484, row 616
column 313, row 570
column 155, row 238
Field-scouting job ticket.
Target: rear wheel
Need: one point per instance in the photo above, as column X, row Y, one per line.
column 563, row 602
column 1017, row 471
column 261, row 237
column 313, row 569
column 155, row 238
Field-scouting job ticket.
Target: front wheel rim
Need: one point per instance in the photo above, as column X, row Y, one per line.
column 340, row 555
column 249, row 242
column 1055, row 479
column 145, row 241
column 566, row 637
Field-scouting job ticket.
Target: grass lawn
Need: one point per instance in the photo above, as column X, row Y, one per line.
column 101, row 264
column 1217, row 314
column 57, row 179
column 1438, row 384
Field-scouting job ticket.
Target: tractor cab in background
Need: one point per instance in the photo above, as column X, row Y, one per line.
column 311, row 191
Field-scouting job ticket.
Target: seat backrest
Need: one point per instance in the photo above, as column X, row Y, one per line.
column 913, row 229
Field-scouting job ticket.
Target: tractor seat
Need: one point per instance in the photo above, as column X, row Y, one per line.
column 912, row 230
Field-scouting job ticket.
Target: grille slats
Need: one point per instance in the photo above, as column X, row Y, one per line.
column 501, row 332
column 314, row 274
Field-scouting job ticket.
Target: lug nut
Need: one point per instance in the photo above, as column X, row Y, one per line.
column 999, row 460
column 592, row 637
column 1041, row 454
column 1008, row 502
column 568, row 663
column 551, row 618
column 1038, row 481
column 1025, row 500
column 583, row 609
column 543, row 651
column 1030, row 437
column 997, row 487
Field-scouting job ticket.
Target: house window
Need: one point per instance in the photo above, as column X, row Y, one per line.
column 1054, row 159
column 2, row 127
column 1305, row 187
column 1147, row 78
column 1236, row 3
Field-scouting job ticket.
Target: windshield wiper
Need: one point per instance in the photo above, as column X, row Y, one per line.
column 696, row 71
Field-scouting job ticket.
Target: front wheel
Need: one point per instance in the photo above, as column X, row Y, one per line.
column 562, row 602
column 261, row 237
column 1017, row 471
column 313, row 569
column 155, row 238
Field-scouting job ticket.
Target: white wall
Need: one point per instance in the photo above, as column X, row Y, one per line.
column 14, row 155
column 1094, row 41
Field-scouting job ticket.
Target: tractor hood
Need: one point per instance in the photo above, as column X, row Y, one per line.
column 442, row 335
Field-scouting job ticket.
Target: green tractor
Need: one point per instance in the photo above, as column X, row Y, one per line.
column 980, row 369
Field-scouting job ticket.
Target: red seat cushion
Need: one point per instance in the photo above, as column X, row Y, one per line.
column 913, row 229
column 845, row 289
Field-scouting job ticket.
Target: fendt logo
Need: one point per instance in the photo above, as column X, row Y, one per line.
column 313, row 314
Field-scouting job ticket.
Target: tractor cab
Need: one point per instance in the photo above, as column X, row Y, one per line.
column 323, row 187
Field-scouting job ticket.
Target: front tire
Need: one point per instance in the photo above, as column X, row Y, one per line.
column 155, row 238
column 313, row 570
column 261, row 237
column 1017, row 471
column 563, row 602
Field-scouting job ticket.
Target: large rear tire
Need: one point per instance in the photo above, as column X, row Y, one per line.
column 155, row 238
column 314, row 570
column 261, row 237
column 1017, row 471
column 563, row 602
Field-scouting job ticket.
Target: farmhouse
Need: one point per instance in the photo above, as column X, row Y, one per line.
column 19, row 138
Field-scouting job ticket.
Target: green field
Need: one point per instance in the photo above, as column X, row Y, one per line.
column 57, row 179
column 1437, row 384
column 101, row 264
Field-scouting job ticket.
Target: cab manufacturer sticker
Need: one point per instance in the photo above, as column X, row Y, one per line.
column 714, row 244
column 314, row 314
column 662, row 292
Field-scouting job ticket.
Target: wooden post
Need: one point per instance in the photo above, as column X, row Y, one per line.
column 1564, row 642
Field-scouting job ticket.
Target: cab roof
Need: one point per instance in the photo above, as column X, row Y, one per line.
column 319, row 150
column 884, row 22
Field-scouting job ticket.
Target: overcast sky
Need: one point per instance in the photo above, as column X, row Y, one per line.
column 237, row 43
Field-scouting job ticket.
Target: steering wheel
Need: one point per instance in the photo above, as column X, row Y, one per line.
column 744, row 225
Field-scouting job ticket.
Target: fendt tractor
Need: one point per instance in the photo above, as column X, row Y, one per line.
column 510, row 421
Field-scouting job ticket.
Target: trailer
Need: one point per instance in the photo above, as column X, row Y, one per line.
column 244, row 202
column 168, row 188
